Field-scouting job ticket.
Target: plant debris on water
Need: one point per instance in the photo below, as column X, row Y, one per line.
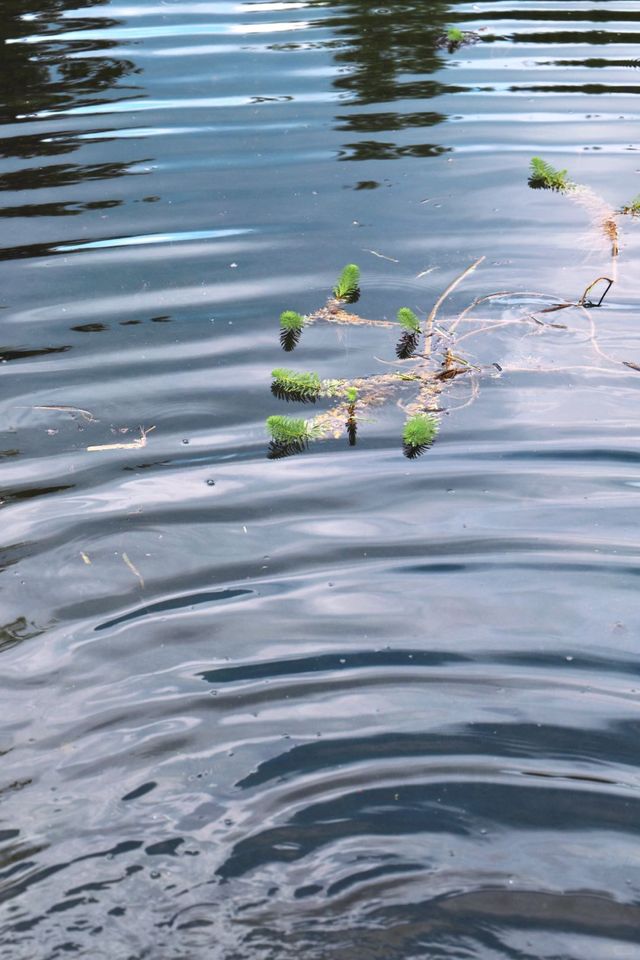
column 431, row 354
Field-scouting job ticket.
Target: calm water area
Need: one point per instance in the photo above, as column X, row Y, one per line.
column 343, row 705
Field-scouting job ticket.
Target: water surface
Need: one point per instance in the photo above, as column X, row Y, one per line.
column 342, row 704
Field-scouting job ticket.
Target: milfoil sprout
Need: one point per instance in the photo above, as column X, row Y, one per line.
column 347, row 285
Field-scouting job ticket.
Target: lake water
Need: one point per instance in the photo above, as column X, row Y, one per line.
column 343, row 704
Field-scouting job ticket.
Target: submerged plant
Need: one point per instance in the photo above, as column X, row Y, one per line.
column 347, row 286
column 543, row 176
column 289, row 385
column 419, row 433
column 291, row 324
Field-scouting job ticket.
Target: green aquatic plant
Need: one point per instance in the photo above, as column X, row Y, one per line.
column 408, row 320
column 351, row 394
column 408, row 342
column 287, row 429
column 542, row 176
column 633, row 208
column 419, row 433
column 290, row 320
column 347, row 286
column 289, row 385
column 288, row 435
column 291, row 324
column 455, row 35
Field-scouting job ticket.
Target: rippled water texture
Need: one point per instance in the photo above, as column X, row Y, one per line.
column 344, row 704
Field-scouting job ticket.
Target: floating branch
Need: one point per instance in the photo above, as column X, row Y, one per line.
column 543, row 176
column 347, row 286
column 289, row 385
column 428, row 375
column 291, row 324
column 419, row 433
column 583, row 302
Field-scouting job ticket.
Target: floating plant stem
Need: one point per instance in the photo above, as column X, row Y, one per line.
column 352, row 424
column 291, row 324
column 289, row 385
column 583, row 302
column 347, row 286
column 431, row 319
column 543, row 176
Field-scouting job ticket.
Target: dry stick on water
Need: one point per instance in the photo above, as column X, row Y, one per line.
column 132, row 445
column 443, row 296
column 134, row 569
column 85, row 414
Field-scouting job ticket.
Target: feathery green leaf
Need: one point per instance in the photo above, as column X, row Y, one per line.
column 420, row 430
column 408, row 320
column 542, row 176
column 347, row 286
column 290, row 320
column 287, row 430
column 299, row 386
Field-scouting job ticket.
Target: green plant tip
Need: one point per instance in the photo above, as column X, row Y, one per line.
column 455, row 35
column 420, row 430
column 352, row 394
column 543, row 176
column 348, row 281
column 408, row 320
column 634, row 207
column 291, row 321
column 305, row 384
column 288, row 429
